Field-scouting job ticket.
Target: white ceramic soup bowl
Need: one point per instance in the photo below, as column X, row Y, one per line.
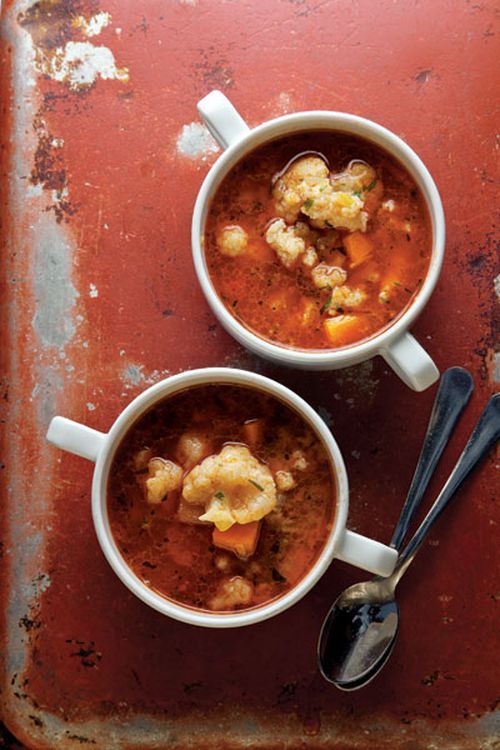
column 394, row 343
column 101, row 448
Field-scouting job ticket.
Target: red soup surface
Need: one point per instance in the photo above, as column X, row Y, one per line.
column 317, row 240
column 251, row 467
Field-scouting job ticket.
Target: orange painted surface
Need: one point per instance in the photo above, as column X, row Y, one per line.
column 99, row 176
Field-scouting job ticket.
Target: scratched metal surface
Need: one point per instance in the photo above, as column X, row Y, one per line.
column 102, row 156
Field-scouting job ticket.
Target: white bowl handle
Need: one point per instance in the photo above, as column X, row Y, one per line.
column 76, row 438
column 366, row 554
column 411, row 362
column 223, row 121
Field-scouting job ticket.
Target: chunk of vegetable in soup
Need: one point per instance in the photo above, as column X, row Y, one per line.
column 317, row 240
column 221, row 498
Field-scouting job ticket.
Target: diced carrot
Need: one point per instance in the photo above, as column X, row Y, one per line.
column 359, row 248
column 253, row 431
column 344, row 329
column 240, row 538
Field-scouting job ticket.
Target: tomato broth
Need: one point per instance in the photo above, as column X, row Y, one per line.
column 373, row 269
column 167, row 546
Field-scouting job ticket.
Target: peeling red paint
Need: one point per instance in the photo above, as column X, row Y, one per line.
column 84, row 657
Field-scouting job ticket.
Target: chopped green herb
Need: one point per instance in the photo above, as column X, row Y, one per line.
column 396, row 283
column 326, row 304
column 219, row 495
column 308, row 203
column 322, row 189
column 371, row 186
column 357, row 193
column 256, row 484
column 410, row 291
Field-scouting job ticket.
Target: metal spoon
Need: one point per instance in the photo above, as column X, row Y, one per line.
column 360, row 630
column 452, row 396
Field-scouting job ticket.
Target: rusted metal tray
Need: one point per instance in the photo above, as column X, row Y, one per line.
column 102, row 155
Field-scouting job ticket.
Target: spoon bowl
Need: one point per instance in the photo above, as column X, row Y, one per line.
column 358, row 633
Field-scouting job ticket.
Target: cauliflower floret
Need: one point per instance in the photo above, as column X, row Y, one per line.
column 285, row 480
column 299, row 460
column 306, row 187
column 356, row 178
column 233, row 592
column 328, row 208
column 288, row 191
column 285, row 242
column 388, row 205
column 233, row 486
column 233, row 241
column 325, row 276
column 345, row 296
column 388, row 292
column 222, row 562
column 164, row 476
column 310, row 258
column 191, row 448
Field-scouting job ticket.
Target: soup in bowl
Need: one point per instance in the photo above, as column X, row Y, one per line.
column 220, row 497
column 318, row 238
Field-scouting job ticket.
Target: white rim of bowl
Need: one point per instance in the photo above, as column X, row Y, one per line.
column 281, row 127
column 145, row 400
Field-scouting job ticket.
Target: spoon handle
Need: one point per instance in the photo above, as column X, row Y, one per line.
column 485, row 435
column 451, row 399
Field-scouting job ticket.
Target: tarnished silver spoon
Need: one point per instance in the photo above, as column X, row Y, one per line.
column 360, row 630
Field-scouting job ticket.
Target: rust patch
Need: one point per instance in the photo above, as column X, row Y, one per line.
column 52, row 23
column 213, row 71
column 60, row 32
column 49, row 170
column 29, row 624
column 86, row 652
